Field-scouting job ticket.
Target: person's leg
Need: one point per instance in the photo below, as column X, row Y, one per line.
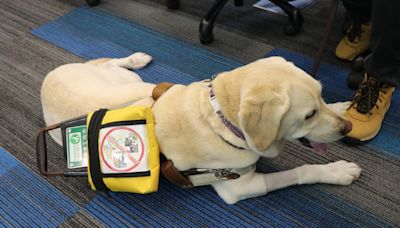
column 357, row 38
column 384, row 61
column 373, row 96
column 359, row 10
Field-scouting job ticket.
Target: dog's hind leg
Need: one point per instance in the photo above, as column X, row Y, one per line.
column 256, row 184
column 135, row 61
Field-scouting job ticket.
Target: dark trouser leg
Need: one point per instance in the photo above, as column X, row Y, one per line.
column 384, row 62
column 359, row 10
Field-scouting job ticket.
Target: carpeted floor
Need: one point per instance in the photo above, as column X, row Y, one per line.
column 84, row 33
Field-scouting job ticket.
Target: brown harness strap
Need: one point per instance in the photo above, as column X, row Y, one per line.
column 167, row 167
column 174, row 176
column 160, row 89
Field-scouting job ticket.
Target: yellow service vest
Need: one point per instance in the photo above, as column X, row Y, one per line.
column 123, row 153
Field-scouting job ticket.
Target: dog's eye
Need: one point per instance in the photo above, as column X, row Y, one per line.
column 311, row 114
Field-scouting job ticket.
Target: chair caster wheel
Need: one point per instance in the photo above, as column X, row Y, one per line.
column 354, row 79
column 290, row 30
column 206, row 38
column 205, row 32
column 173, row 4
column 93, row 2
column 295, row 23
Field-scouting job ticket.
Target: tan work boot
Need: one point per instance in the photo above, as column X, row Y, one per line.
column 356, row 41
column 369, row 106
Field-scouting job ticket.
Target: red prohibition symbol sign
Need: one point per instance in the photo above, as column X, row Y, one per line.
column 135, row 162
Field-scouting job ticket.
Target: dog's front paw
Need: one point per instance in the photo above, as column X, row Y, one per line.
column 139, row 60
column 341, row 172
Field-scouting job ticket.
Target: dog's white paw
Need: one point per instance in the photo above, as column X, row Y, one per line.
column 340, row 107
column 139, row 60
column 341, row 172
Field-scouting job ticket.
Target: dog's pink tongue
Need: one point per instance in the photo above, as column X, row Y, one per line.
column 321, row 148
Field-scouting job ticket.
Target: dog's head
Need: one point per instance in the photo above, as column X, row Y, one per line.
column 280, row 101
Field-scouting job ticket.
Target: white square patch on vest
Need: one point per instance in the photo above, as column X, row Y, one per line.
column 123, row 149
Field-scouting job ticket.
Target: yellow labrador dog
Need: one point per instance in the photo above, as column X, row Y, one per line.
column 224, row 124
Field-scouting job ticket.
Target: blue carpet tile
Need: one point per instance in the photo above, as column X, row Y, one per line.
column 172, row 206
column 27, row 200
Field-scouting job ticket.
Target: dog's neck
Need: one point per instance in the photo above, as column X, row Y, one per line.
column 228, row 95
column 217, row 109
column 221, row 111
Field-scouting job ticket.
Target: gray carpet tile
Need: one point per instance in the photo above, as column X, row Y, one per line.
column 24, row 61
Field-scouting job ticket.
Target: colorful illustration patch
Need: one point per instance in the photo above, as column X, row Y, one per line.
column 123, row 149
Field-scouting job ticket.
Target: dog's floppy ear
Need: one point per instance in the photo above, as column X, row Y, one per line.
column 260, row 114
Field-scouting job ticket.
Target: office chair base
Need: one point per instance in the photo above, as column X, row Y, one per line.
column 173, row 4
column 207, row 23
column 93, row 2
column 292, row 29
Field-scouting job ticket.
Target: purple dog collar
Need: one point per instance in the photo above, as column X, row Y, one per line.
column 217, row 109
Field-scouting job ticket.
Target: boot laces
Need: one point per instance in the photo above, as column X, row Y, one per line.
column 367, row 96
column 354, row 32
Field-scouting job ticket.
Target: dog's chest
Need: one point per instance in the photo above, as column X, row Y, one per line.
column 232, row 158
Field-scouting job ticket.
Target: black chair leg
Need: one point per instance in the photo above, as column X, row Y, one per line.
column 173, row 4
column 207, row 23
column 295, row 18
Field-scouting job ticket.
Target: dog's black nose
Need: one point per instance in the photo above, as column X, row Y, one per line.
column 346, row 128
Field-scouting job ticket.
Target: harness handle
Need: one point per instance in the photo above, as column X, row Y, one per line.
column 41, row 154
column 41, row 151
